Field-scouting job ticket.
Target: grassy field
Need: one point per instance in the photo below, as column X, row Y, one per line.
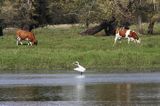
column 58, row 48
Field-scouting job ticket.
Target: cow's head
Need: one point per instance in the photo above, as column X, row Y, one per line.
column 138, row 41
column 135, row 37
column 35, row 42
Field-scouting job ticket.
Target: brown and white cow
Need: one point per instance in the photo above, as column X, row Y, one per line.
column 126, row 33
column 23, row 35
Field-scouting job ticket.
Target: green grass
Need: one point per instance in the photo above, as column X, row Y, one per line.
column 59, row 48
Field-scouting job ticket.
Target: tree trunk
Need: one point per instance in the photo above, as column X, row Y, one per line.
column 150, row 28
column 154, row 4
column 140, row 24
column 152, row 22
column 92, row 31
column 87, row 23
column 108, row 26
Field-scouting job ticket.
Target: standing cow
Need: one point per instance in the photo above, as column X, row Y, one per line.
column 126, row 33
column 26, row 36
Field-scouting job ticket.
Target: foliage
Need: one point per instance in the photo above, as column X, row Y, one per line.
column 44, row 12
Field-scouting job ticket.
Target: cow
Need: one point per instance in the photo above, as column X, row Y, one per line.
column 23, row 35
column 126, row 33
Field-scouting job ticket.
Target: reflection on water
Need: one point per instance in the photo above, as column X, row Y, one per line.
column 116, row 93
column 86, row 90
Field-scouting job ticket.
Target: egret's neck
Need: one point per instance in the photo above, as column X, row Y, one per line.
column 78, row 64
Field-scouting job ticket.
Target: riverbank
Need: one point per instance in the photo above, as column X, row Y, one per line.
column 58, row 48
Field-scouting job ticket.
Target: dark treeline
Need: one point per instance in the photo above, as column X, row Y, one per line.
column 42, row 12
column 38, row 12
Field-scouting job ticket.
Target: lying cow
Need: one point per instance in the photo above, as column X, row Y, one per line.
column 23, row 35
column 126, row 33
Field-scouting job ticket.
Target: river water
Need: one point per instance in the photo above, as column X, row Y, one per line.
column 136, row 89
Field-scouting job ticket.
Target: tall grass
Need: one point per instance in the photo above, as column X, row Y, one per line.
column 59, row 48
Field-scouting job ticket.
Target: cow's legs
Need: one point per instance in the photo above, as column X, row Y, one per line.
column 129, row 40
column 19, row 41
column 117, row 37
column 120, row 41
column 30, row 43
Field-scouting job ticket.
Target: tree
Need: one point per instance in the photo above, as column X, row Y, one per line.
column 8, row 11
column 155, row 16
column 40, row 12
column 85, row 10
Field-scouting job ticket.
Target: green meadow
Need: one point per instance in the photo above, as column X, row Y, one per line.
column 58, row 48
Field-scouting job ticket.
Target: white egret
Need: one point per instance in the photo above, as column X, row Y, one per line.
column 79, row 68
